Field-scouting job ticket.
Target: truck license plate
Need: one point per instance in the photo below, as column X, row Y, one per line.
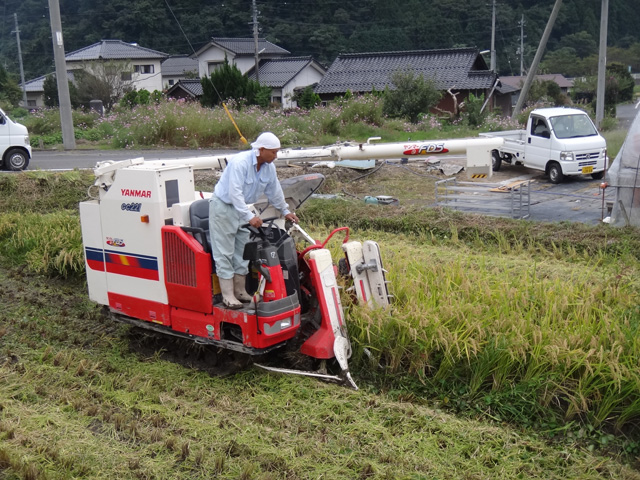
column 587, row 169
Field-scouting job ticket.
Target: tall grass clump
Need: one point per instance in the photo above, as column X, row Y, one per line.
column 519, row 338
column 47, row 244
column 40, row 191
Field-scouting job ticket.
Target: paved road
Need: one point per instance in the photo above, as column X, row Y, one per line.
column 69, row 160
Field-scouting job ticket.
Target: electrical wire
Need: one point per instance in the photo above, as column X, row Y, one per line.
column 244, row 140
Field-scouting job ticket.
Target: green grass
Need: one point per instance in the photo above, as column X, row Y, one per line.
column 76, row 403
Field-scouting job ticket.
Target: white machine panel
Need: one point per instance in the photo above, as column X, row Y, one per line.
column 93, row 251
column 132, row 212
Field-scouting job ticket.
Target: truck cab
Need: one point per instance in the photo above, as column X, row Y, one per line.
column 558, row 141
column 15, row 149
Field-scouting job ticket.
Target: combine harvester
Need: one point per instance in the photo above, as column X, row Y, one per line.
column 148, row 262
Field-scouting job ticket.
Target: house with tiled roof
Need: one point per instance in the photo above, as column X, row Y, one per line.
column 286, row 76
column 238, row 51
column 35, row 90
column 138, row 66
column 457, row 72
column 176, row 68
column 186, row 89
column 511, row 86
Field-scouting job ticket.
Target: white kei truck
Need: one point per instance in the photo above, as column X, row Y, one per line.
column 558, row 141
column 15, row 149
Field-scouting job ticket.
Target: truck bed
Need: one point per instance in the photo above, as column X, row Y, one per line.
column 514, row 140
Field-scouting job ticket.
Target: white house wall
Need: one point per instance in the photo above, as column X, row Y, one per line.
column 141, row 81
column 148, row 81
column 212, row 56
column 306, row 77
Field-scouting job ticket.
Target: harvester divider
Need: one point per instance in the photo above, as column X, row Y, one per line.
column 345, row 380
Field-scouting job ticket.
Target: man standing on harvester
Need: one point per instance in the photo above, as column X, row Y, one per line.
column 246, row 178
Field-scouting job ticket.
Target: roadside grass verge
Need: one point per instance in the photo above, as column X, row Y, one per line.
column 179, row 124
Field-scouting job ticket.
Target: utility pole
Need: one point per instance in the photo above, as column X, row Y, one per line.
column 522, row 45
column 24, row 87
column 493, row 38
column 602, row 63
column 255, row 38
column 536, row 60
column 66, row 120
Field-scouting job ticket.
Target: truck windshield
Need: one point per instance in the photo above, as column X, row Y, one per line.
column 572, row 126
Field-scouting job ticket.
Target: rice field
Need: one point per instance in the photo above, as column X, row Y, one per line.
column 510, row 351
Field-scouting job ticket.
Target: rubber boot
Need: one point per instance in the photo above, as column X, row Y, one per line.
column 229, row 300
column 239, row 289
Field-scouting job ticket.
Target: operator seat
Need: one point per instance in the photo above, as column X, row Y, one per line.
column 199, row 217
column 541, row 130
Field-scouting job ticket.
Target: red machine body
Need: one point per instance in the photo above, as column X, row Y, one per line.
column 148, row 260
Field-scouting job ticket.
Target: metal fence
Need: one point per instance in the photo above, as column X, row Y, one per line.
column 512, row 200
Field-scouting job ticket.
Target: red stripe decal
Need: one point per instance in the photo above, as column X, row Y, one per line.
column 362, row 290
column 136, row 272
column 95, row 265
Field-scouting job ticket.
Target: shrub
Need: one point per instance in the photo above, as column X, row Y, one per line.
column 411, row 96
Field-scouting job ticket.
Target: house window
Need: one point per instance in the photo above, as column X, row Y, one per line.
column 276, row 100
column 214, row 65
column 170, row 82
column 143, row 69
column 125, row 76
column 31, row 103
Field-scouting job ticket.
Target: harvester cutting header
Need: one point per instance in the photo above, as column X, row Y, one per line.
column 148, row 258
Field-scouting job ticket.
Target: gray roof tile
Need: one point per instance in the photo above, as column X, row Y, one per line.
column 37, row 84
column 278, row 72
column 462, row 69
column 246, row 46
column 114, row 50
column 179, row 65
column 191, row 86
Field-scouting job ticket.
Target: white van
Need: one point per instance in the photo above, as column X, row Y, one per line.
column 15, row 149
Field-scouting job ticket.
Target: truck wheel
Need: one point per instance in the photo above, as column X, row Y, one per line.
column 598, row 175
column 555, row 173
column 16, row 159
column 497, row 160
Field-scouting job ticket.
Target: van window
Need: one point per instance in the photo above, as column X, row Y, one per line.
column 539, row 128
column 573, row 126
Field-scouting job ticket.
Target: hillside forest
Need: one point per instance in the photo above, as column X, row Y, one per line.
column 326, row 28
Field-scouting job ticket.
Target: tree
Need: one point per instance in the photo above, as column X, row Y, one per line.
column 227, row 82
column 546, row 91
column 105, row 81
column 307, row 99
column 9, row 90
column 50, row 87
column 413, row 95
column 564, row 61
column 618, row 88
column 474, row 115
column 582, row 43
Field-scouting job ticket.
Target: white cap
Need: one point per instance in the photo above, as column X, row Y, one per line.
column 266, row 140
